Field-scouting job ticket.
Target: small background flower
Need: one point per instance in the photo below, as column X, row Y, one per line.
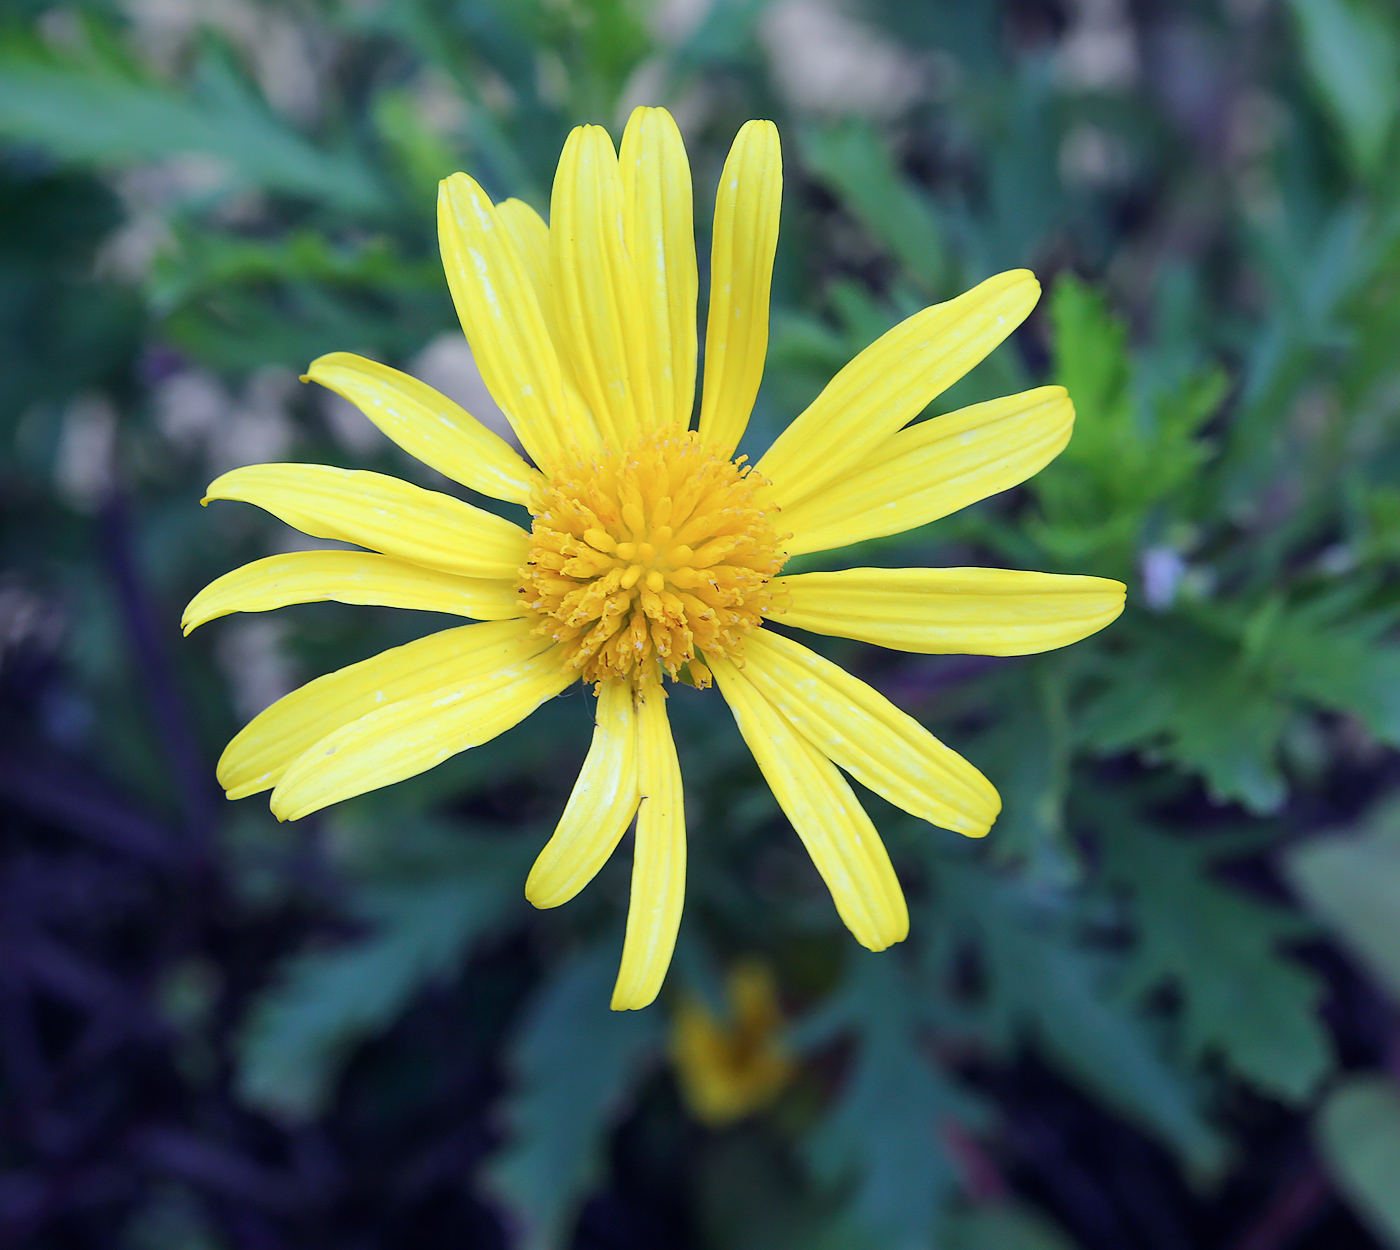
column 1154, row 1008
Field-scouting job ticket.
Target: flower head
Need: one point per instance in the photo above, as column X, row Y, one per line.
column 654, row 555
column 730, row 1067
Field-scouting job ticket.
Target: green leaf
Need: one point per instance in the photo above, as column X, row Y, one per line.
column 1127, row 454
column 1004, row 1226
column 301, row 1031
column 1166, row 699
column 751, row 1197
column 1241, row 998
column 882, row 1136
column 574, row 1062
column 856, row 163
column 1350, row 50
column 102, row 113
column 1358, row 1132
column 1041, row 984
column 1354, row 885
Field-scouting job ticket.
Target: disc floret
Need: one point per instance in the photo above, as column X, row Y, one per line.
column 644, row 561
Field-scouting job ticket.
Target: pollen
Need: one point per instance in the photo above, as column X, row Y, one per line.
column 643, row 562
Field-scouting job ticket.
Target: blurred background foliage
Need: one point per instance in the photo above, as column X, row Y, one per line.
column 1156, row 1008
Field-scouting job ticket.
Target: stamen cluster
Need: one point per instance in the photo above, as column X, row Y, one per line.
column 646, row 560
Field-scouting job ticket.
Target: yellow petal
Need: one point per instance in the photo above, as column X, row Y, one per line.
column 415, row 734
column 597, row 307
column 660, row 221
column 600, row 808
column 258, row 756
column 950, row 611
column 933, row 469
column 428, row 426
column 741, row 273
column 729, row 1067
column 825, row 813
column 501, row 317
column 381, row 512
column 350, row 577
column 658, row 864
column 531, row 236
column 892, row 381
column 886, row 750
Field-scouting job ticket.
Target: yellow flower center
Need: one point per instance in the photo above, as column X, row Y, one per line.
column 649, row 559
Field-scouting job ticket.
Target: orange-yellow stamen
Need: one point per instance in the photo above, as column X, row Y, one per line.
column 645, row 559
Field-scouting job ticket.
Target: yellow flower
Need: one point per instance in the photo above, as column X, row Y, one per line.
column 729, row 1069
column 653, row 553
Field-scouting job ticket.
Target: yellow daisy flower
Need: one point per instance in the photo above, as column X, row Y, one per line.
column 729, row 1068
column 653, row 553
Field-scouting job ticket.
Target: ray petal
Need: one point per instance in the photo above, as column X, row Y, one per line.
column 531, row 236
column 950, row 611
column 883, row 748
column 597, row 307
column 350, row 577
column 503, row 322
column 383, row 513
column 827, row 816
column 934, row 468
column 892, row 381
column 428, row 425
column 415, row 734
column 660, row 231
column 658, row 865
column 602, row 804
column 741, row 275
column 258, row 756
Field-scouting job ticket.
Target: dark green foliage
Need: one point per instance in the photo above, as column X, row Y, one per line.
column 881, row 1138
column 574, row 1063
column 423, row 906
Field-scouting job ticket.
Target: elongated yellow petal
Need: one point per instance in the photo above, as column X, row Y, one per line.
column 828, row 817
column 381, row 512
column 892, row 381
column 501, row 317
column 741, row 275
column 602, row 804
column 658, row 865
column 350, row 577
column 415, row 734
column 950, row 611
column 597, row 307
column 883, row 748
column 531, row 236
column 933, row 469
column 660, row 230
column 258, row 756
column 428, row 425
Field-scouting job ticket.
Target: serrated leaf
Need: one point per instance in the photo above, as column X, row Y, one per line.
column 1167, row 699
column 323, row 1003
column 574, row 1061
column 1129, row 451
column 882, row 1136
column 1038, row 982
column 1240, row 996
column 1358, row 1132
